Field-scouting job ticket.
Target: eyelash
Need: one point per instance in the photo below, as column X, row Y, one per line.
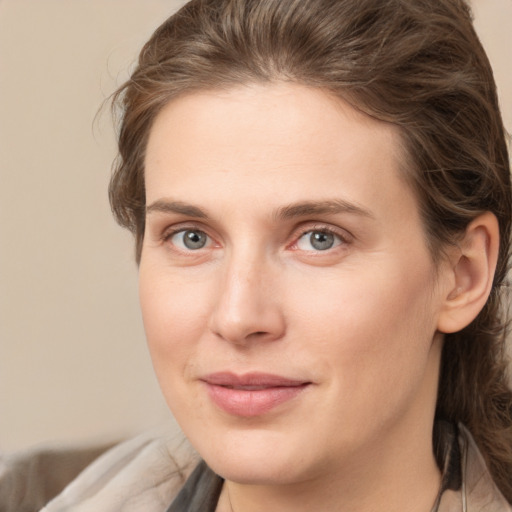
column 342, row 239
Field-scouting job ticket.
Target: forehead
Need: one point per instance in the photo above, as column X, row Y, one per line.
column 267, row 113
column 283, row 140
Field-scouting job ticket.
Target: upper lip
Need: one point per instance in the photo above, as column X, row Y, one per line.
column 253, row 379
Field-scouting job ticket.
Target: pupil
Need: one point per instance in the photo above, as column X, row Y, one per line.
column 194, row 239
column 322, row 241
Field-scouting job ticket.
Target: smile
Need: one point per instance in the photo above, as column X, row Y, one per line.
column 251, row 394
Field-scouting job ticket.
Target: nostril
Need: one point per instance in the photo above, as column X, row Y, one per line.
column 258, row 335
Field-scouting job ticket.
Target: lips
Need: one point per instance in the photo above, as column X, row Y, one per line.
column 251, row 394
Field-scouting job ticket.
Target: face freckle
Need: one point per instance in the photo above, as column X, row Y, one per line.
column 302, row 309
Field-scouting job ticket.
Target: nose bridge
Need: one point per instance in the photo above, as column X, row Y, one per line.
column 247, row 304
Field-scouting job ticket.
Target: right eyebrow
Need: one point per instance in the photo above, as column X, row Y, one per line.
column 166, row 206
column 327, row 207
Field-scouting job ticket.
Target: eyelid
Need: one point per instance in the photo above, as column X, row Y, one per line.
column 174, row 228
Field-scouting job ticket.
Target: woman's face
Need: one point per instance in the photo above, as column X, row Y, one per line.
column 288, row 295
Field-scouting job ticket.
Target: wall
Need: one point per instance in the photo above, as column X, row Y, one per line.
column 73, row 362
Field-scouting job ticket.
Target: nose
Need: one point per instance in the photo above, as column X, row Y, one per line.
column 247, row 306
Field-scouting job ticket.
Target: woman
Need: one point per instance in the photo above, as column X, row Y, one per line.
column 320, row 196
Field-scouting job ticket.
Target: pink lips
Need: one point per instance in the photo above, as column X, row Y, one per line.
column 251, row 394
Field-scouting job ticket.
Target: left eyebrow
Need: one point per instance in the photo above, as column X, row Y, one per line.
column 327, row 207
column 164, row 206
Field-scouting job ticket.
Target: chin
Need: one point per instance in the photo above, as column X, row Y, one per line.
column 254, row 457
column 267, row 471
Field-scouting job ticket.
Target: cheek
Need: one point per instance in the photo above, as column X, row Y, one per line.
column 375, row 326
column 174, row 313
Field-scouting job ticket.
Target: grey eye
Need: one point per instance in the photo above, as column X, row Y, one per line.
column 318, row 241
column 321, row 241
column 190, row 239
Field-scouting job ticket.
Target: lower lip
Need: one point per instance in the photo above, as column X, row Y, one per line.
column 250, row 403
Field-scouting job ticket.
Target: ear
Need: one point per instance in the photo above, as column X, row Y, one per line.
column 470, row 274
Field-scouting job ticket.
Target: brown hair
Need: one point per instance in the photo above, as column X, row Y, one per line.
column 415, row 63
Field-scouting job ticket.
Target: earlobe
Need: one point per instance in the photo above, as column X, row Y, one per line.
column 472, row 267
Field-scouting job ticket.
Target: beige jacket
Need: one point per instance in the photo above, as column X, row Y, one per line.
column 146, row 473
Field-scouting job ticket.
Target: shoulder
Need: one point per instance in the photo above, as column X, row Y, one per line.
column 479, row 488
column 467, row 482
column 144, row 473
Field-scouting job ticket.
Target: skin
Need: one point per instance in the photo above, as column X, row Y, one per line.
column 358, row 321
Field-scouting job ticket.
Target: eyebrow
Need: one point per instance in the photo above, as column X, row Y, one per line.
column 164, row 206
column 299, row 209
column 326, row 207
